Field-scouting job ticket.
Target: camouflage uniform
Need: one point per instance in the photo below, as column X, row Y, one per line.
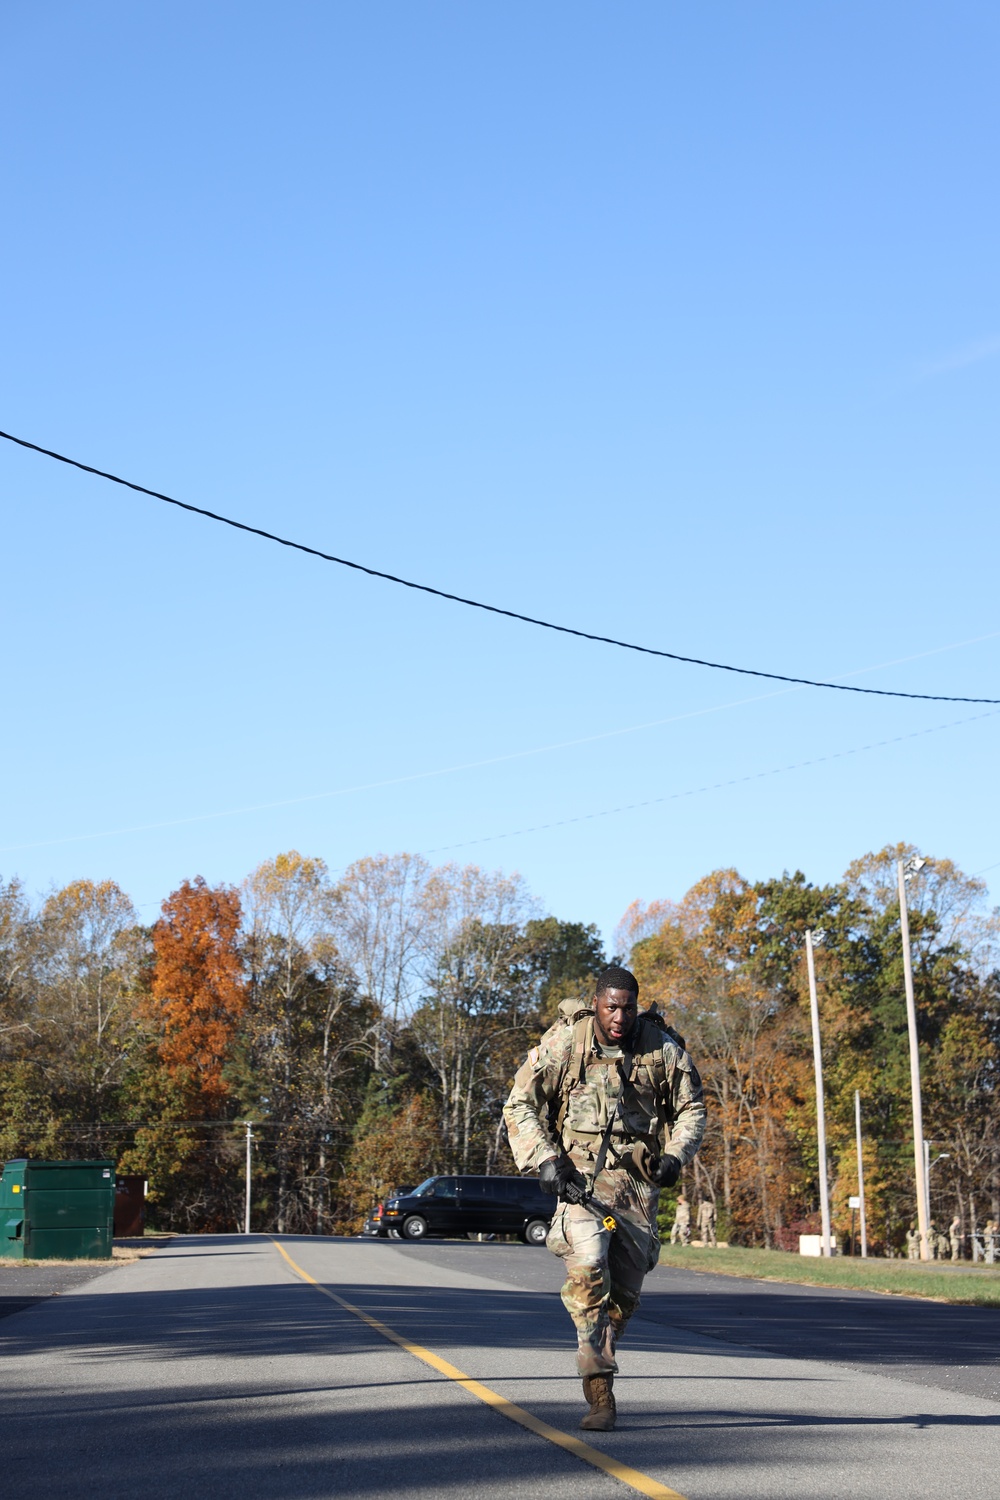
column 570, row 1074
column 681, row 1230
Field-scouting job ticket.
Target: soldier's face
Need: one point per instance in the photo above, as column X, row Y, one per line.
column 614, row 1013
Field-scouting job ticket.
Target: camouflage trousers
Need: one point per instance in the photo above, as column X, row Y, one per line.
column 604, row 1269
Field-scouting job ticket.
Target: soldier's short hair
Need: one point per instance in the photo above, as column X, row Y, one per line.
column 614, row 978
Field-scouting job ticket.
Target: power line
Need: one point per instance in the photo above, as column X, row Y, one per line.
column 472, row 765
column 493, row 609
column 716, row 786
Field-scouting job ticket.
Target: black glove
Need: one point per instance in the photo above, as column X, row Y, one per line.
column 558, row 1175
column 665, row 1171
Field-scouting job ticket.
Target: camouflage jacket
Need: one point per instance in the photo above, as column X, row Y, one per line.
column 565, row 1092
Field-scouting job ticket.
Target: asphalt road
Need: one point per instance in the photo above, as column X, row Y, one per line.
column 212, row 1370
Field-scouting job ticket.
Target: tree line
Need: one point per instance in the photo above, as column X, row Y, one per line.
column 727, row 963
column 369, row 1026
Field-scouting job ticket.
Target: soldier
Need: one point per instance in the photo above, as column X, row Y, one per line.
column 912, row 1243
column 681, row 1230
column 955, row 1236
column 608, row 1104
column 706, row 1222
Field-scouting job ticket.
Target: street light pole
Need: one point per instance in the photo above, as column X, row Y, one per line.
column 824, row 1188
column 941, row 1156
column 861, row 1175
column 911, row 868
column 246, row 1213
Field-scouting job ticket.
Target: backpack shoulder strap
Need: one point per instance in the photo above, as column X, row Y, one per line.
column 576, row 1064
column 652, row 1032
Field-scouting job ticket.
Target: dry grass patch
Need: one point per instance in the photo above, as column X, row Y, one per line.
column 121, row 1255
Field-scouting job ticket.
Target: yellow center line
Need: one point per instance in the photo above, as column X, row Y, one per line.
column 593, row 1456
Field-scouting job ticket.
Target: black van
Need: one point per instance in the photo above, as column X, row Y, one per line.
column 473, row 1205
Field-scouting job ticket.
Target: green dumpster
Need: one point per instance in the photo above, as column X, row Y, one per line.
column 57, row 1210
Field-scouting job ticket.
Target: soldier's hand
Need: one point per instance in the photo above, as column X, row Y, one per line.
column 558, row 1175
column 666, row 1171
column 548, row 1175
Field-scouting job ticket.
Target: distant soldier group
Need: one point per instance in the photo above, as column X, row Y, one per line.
column 949, row 1246
column 940, row 1245
column 680, row 1234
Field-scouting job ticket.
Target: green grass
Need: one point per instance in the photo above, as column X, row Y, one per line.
column 963, row 1282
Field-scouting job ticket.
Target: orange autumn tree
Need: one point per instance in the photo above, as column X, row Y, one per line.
column 192, row 1015
column 198, row 988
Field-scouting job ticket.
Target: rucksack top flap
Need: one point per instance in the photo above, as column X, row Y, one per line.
column 652, row 1018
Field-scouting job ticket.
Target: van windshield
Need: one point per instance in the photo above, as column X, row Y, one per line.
column 425, row 1188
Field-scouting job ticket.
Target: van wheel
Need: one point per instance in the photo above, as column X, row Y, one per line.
column 415, row 1228
column 535, row 1232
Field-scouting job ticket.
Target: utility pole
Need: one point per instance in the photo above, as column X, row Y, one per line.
column 824, row 1188
column 912, row 867
column 861, row 1175
column 250, row 1139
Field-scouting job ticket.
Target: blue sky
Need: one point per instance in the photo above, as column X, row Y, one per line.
column 680, row 324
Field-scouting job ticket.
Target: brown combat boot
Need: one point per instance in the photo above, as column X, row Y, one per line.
column 603, row 1411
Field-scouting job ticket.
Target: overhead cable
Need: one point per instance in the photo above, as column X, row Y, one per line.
column 472, row 765
column 493, row 609
column 715, row 786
